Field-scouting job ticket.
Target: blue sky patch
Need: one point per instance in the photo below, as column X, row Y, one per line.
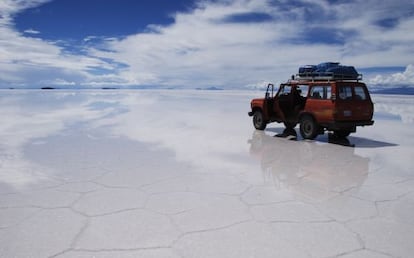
column 313, row 13
column 69, row 19
column 383, row 69
column 253, row 17
column 387, row 23
column 321, row 35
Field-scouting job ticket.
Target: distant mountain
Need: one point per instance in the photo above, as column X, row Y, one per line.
column 210, row 88
column 394, row 91
column 110, row 88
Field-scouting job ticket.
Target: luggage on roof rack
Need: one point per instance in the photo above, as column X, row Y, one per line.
column 307, row 69
column 328, row 71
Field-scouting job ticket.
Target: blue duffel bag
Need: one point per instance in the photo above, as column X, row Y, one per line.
column 329, row 69
column 307, row 70
column 324, row 67
column 343, row 72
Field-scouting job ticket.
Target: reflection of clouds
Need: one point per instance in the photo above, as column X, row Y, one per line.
column 30, row 115
column 402, row 106
column 316, row 171
column 205, row 129
column 198, row 126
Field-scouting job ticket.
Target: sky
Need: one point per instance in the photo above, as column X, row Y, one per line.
column 235, row 44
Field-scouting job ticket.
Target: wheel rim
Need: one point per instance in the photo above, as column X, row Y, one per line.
column 308, row 127
column 258, row 120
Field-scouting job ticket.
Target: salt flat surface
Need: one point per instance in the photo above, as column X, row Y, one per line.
column 184, row 174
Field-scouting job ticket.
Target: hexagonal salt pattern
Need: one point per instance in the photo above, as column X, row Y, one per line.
column 110, row 200
column 248, row 239
column 156, row 253
column 184, row 174
column 44, row 234
column 128, row 230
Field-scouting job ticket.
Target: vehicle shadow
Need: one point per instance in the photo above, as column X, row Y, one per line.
column 350, row 141
column 369, row 143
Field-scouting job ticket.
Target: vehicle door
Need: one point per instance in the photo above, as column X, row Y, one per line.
column 269, row 101
column 285, row 99
column 353, row 102
column 301, row 93
column 319, row 103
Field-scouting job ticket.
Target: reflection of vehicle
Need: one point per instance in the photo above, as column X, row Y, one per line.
column 318, row 104
column 313, row 170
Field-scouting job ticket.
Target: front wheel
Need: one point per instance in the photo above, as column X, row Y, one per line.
column 308, row 128
column 258, row 120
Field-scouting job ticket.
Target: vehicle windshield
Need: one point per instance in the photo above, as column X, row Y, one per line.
column 285, row 89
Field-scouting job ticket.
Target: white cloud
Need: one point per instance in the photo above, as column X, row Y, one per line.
column 396, row 79
column 58, row 82
column 32, row 31
column 209, row 46
column 30, row 61
column 199, row 49
column 89, row 38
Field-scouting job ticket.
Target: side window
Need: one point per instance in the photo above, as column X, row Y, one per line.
column 320, row 92
column 345, row 92
column 316, row 92
column 360, row 93
column 328, row 92
column 303, row 90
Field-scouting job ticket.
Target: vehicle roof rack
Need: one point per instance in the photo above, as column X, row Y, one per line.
column 326, row 76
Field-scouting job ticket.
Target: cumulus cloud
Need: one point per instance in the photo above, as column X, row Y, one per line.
column 227, row 43
column 215, row 44
column 25, row 60
column 405, row 78
column 205, row 47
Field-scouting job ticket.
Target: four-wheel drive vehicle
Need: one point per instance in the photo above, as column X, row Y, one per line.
column 317, row 104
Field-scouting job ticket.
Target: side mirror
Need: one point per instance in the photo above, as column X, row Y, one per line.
column 267, row 95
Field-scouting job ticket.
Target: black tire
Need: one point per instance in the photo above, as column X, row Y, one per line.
column 290, row 125
column 258, row 120
column 308, row 128
column 342, row 133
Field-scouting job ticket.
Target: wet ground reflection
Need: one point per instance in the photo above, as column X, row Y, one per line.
column 184, row 170
column 307, row 167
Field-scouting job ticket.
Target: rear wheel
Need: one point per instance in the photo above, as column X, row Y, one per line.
column 342, row 133
column 258, row 120
column 308, row 128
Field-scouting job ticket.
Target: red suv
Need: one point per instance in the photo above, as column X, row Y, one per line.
column 317, row 104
